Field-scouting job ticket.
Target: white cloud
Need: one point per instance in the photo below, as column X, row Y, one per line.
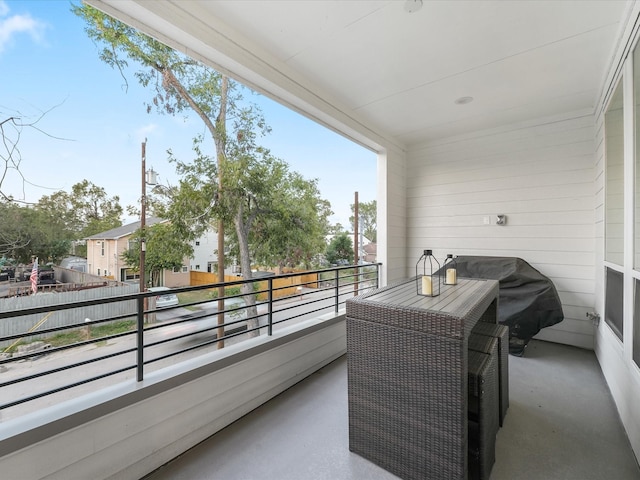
column 143, row 132
column 12, row 25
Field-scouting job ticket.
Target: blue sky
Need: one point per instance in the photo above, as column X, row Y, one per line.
column 93, row 127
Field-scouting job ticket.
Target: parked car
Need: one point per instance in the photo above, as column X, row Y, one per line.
column 165, row 298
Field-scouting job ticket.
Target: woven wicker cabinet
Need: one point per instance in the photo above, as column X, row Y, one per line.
column 407, row 375
column 501, row 333
column 483, row 412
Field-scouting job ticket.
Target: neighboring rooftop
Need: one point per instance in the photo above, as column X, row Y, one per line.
column 124, row 230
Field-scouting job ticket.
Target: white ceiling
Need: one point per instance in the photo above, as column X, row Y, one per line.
column 398, row 72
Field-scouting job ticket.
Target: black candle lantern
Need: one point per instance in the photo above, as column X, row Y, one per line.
column 450, row 270
column 427, row 277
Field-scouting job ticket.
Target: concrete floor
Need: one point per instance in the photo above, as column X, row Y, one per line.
column 561, row 424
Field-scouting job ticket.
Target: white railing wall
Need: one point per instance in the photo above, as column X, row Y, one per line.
column 130, row 430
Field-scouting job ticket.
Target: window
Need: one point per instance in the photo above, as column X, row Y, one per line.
column 129, row 274
column 614, row 178
column 613, row 298
column 197, row 244
column 183, row 269
column 197, row 267
column 98, row 272
column 636, row 321
column 101, row 251
column 636, row 92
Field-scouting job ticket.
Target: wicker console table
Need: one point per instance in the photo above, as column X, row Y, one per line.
column 407, row 375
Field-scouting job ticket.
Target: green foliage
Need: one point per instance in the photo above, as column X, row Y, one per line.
column 69, row 337
column 112, row 328
column 85, row 211
column 21, row 234
column 277, row 216
column 340, row 248
column 46, row 229
column 291, row 218
column 336, row 229
column 94, row 211
column 367, row 211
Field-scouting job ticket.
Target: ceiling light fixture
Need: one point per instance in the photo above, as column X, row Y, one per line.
column 463, row 100
column 411, row 6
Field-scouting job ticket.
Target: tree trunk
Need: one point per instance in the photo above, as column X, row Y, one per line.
column 245, row 263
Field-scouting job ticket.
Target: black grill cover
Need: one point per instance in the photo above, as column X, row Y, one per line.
column 528, row 300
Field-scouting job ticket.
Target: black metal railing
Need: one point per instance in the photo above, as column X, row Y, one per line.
column 42, row 366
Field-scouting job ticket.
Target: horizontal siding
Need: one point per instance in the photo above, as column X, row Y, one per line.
column 542, row 178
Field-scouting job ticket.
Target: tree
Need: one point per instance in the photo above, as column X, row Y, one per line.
column 17, row 231
column 181, row 83
column 335, row 229
column 165, row 250
column 212, row 187
column 280, row 213
column 46, row 229
column 85, row 211
column 94, row 210
column 27, row 232
column 367, row 225
column 340, row 248
column 293, row 220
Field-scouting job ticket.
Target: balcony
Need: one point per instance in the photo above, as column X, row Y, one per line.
column 103, row 395
column 273, row 406
column 561, row 424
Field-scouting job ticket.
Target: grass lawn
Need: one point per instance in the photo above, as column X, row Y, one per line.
column 197, row 296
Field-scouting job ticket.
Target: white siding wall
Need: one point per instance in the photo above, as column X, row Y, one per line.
column 392, row 214
column 540, row 175
column 615, row 357
column 205, row 251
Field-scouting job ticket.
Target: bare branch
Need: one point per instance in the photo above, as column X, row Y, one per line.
column 11, row 129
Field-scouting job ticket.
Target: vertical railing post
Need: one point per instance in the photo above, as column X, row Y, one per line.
column 377, row 276
column 270, row 304
column 140, row 339
column 337, row 290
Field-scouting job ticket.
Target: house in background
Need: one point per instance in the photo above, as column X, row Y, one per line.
column 370, row 252
column 104, row 255
column 105, row 249
column 205, row 256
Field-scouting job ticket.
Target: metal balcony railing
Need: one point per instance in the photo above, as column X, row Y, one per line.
column 84, row 352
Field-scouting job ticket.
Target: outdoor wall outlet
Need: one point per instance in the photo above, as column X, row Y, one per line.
column 594, row 317
column 501, row 220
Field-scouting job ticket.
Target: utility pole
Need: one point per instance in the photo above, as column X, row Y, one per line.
column 143, row 213
column 355, row 229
